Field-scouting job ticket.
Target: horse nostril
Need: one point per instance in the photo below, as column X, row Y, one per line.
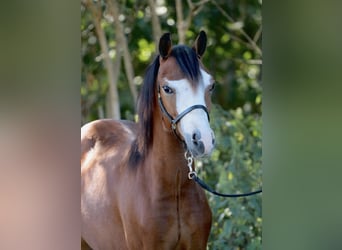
column 196, row 136
column 197, row 144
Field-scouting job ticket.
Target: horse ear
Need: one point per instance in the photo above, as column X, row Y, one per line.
column 200, row 43
column 165, row 45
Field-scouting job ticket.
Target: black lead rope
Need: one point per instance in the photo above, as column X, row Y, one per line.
column 189, row 157
column 193, row 176
column 209, row 189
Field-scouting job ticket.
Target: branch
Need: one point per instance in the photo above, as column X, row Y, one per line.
column 257, row 34
column 244, row 34
column 183, row 25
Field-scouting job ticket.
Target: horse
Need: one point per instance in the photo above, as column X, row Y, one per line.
column 135, row 189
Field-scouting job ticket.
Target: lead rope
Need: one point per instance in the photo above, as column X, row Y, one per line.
column 192, row 175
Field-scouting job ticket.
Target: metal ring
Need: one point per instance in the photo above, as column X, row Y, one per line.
column 192, row 175
column 188, row 154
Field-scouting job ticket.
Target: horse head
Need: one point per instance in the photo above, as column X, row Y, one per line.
column 184, row 93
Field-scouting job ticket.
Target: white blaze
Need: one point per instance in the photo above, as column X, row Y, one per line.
column 197, row 119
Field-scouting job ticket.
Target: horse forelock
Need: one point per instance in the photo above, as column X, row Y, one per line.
column 188, row 62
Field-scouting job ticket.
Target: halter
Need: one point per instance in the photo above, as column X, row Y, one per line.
column 192, row 175
column 175, row 120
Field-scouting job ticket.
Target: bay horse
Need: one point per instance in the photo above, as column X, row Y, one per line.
column 135, row 190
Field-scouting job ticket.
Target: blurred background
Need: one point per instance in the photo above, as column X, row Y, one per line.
column 118, row 41
column 40, row 112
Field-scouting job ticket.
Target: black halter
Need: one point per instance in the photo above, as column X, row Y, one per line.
column 175, row 120
column 192, row 174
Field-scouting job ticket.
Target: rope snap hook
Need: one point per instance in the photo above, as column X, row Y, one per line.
column 190, row 159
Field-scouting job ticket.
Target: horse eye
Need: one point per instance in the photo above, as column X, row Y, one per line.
column 167, row 90
column 212, row 87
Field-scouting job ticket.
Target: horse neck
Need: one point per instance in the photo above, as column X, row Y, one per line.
column 168, row 165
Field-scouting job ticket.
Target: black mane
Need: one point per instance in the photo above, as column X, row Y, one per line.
column 146, row 103
column 188, row 62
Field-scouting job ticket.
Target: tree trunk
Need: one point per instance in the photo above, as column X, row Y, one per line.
column 122, row 44
column 112, row 77
column 156, row 29
column 184, row 24
column 180, row 22
column 116, row 70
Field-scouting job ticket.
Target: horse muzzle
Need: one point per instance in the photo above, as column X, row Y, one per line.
column 200, row 145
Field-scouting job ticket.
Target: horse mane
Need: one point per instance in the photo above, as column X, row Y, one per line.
column 146, row 102
column 188, row 62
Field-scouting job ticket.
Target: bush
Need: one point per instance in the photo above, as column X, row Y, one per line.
column 234, row 167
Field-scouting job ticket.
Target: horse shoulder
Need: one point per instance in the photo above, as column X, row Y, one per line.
column 105, row 144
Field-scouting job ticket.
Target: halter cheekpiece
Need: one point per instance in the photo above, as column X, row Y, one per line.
column 175, row 120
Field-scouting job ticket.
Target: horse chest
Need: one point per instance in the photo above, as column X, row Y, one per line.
column 194, row 220
column 181, row 222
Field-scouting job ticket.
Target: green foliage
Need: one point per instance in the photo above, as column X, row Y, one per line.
column 233, row 57
column 230, row 57
column 235, row 167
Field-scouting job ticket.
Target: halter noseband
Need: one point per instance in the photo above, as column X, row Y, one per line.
column 175, row 120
